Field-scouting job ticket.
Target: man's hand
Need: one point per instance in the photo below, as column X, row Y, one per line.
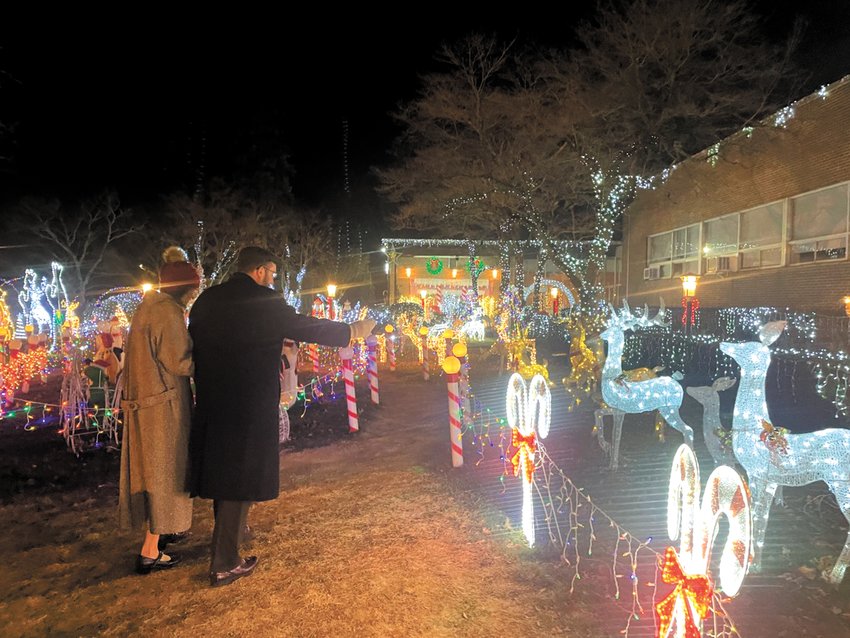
column 361, row 329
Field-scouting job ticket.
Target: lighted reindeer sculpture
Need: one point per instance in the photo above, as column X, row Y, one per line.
column 772, row 459
column 623, row 396
column 708, row 396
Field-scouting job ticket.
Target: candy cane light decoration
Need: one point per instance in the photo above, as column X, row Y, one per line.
column 529, row 414
column 694, row 522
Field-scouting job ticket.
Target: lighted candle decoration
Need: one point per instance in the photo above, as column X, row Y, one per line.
column 390, row 346
column 800, row 459
column 695, row 524
column 451, row 366
column 529, row 414
column 372, row 367
column 346, row 355
column 632, row 397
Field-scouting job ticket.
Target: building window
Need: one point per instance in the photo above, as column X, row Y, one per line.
column 760, row 240
column 660, row 251
column 686, row 250
column 720, row 246
column 819, row 225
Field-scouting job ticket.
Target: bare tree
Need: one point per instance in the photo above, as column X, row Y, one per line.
column 78, row 238
column 556, row 144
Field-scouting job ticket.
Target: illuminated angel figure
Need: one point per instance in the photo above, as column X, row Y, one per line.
column 624, row 396
column 695, row 524
column 823, row 455
column 529, row 413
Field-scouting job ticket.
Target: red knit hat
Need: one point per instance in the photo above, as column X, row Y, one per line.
column 179, row 273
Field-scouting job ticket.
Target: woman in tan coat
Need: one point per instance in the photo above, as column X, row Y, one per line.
column 157, row 410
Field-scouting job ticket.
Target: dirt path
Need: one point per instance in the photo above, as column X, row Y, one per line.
column 372, row 536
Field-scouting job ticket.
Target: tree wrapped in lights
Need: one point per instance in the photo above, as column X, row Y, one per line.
column 801, row 459
column 695, row 523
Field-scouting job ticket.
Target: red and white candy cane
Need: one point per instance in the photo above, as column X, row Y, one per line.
column 451, row 366
column 694, row 522
column 391, row 351
column 459, row 350
column 314, row 357
column 346, row 355
column 529, row 414
column 372, row 367
column 423, row 335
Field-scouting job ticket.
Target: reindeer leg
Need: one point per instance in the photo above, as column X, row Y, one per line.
column 599, row 417
column 762, row 492
column 671, row 415
column 615, row 438
column 842, row 495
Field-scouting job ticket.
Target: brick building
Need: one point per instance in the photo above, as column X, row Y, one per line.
column 762, row 216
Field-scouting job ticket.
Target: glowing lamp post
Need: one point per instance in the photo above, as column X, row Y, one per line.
column 553, row 292
column 408, row 272
column 146, row 288
column 454, row 273
column 846, row 302
column 690, row 303
column 424, row 294
column 331, row 295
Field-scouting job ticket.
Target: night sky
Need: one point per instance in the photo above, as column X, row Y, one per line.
column 135, row 105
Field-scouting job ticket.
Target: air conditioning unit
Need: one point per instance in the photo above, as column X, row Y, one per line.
column 718, row 265
column 653, row 272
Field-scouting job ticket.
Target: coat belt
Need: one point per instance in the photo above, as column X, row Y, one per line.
column 146, row 402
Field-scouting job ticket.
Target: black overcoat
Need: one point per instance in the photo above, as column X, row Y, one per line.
column 238, row 329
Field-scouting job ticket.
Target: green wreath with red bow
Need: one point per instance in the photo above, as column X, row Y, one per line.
column 434, row 266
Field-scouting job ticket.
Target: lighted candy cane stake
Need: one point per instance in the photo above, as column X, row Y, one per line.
column 529, row 413
column 346, row 355
column 451, row 366
column 390, row 346
column 459, row 350
column 423, row 335
column 372, row 367
column 695, row 523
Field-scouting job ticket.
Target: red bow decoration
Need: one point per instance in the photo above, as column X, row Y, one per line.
column 525, row 446
column 694, row 590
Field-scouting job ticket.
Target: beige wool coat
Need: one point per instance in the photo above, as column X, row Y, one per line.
column 157, row 407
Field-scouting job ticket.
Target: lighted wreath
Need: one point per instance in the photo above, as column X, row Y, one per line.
column 475, row 266
column 434, row 266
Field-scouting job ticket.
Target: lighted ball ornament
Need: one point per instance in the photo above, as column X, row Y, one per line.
column 529, row 413
column 773, row 458
column 451, row 366
column 695, row 523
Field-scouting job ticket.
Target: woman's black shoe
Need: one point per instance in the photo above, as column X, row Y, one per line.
column 171, row 539
column 145, row 565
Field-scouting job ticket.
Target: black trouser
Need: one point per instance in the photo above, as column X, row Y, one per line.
column 230, row 517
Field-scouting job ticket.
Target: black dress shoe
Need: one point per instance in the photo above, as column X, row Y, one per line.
column 245, row 568
column 145, row 565
column 171, row 539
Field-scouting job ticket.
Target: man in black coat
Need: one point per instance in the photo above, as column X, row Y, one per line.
column 237, row 330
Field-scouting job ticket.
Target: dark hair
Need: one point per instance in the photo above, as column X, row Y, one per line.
column 252, row 257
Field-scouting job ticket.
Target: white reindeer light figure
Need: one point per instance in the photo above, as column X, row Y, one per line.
column 694, row 523
column 802, row 459
column 708, row 396
column 632, row 397
column 529, row 413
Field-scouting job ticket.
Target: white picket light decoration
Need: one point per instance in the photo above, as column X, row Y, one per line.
column 695, row 523
column 632, row 397
column 802, row 459
column 529, row 413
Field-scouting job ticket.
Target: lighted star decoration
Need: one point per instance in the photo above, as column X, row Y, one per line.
column 529, row 413
column 695, row 523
